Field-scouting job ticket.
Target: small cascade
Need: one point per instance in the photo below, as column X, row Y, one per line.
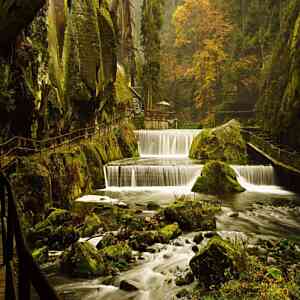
column 165, row 143
column 151, row 175
column 259, row 179
column 258, row 175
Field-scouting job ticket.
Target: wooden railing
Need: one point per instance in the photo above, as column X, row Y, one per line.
column 276, row 151
column 21, row 271
column 19, row 146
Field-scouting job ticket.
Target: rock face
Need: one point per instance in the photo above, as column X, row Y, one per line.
column 223, row 143
column 83, row 260
column 217, row 178
column 91, row 224
column 218, row 262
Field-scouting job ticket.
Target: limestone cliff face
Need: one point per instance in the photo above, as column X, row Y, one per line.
column 279, row 106
column 61, row 72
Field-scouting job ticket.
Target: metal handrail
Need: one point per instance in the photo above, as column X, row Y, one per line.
column 14, row 246
column 21, row 146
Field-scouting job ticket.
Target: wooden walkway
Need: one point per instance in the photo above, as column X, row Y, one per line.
column 2, row 272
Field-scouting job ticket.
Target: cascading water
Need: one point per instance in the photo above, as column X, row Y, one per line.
column 165, row 143
column 151, row 175
column 259, row 179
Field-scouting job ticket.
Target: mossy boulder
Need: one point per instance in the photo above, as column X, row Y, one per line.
column 218, row 262
column 141, row 240
column 56, row 231
column 169, row 232
column 91, row 225
column 217, row 178
column 117, row 256
column 191, row 214
column 224, row 143
column 82, row 260
column 40, row 255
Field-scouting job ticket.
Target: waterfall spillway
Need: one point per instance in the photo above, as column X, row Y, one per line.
column 257, row 174
column 165, row 143
column 151, row 175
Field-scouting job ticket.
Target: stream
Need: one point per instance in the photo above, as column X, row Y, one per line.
column 161, row 174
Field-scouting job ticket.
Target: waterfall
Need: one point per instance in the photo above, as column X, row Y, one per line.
column 258, row 175
column 165, row 143
column 259, row 179
column 151, row 175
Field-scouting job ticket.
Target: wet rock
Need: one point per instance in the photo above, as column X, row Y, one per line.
column 210, row 234
column 56, row 231
column 233, row 215
column 91, row 225
column 153, row 206
column 108, row 239
column 41, row 255
column 83, row 260
column 217, row 262
column 217, row 178
column 117, row 257
column 169, row 232
column 191, row 214
column 223, row 143
column 128, row 285
column 141, row 240
column 195, row 249
column 198, row 238
column 184, row 279
column 184, row 293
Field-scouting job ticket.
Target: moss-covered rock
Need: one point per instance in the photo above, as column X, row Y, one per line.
column 169, row 232
column 40, row 255
column 217, row 262
column 117, row 256
column 191, row 214
column 141, row 240
column 223, row 143
column 56, row 231
column 91, row 225
column 83, row 260
column 217, row 178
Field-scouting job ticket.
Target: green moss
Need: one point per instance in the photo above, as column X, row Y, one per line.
column 217, row 178
column 40, row 255
column 191, row 214
column 91, row 224
column 223, row 143
column 169, row 232
column 82, row 260
column 217, row 262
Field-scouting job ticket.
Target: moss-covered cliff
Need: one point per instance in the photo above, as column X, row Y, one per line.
column 279, row 105
column 60, row 71
column 56, row 178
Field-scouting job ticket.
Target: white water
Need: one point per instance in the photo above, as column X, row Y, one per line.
column 165, row 143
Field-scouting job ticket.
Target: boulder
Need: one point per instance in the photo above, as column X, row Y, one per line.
column 223, row 143
column 217, row 178
column 117, row 256
column 56, row 231
column 92, row 223
column 191, row 214
column 218, row 262
column 169, row 232
column 128, row 286
column 141, row 240
column 82, row 260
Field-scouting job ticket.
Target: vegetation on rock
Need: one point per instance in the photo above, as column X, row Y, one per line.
column 217, row 178
column 223, row 143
